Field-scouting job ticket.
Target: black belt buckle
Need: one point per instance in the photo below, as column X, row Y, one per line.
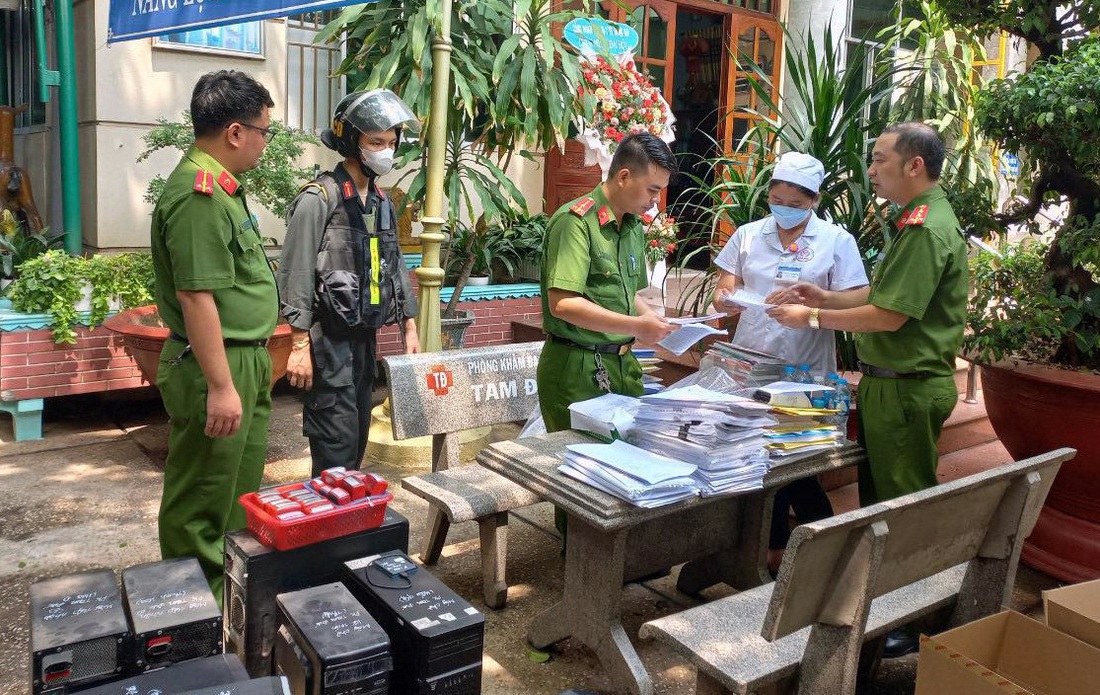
column 882, row 373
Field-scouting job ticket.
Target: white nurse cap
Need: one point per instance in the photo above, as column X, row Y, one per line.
column 801, row 169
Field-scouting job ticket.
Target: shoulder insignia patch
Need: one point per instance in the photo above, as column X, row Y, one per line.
column 603, row 215
column 349, row 190
column 226, row 181
column 919, row 215
column 204, row 182
column 582, row 206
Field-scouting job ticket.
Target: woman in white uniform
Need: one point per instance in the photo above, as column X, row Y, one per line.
column 767, row 256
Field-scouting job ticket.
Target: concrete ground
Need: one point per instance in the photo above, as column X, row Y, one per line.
column 87, row 495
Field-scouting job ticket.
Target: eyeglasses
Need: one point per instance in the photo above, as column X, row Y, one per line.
column 268, row 133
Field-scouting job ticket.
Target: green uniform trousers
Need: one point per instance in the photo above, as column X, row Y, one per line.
column 899, row 423
column 566, row 375
column 203, row 476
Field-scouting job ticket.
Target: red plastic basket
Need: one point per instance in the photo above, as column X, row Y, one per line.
column 313, row 528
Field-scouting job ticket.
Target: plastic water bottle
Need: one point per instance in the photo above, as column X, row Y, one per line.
column 803, row 375
column 843, row 404
column 830, row 380
column 788, row 373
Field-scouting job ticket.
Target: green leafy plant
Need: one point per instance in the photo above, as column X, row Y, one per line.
column 514, row 88
column 481, row 249
column 17, row 245
column 1051, row 118
column 273, row 183
column 54, row 282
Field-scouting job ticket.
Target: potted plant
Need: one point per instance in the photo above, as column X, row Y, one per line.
column 18, row 246
column 1035, row 321
column 527, row 234
column 55, row 282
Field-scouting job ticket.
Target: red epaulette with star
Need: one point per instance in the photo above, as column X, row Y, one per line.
column 915, row 216
column 603, row 215
column 349, row 190
column 582, row 206
column 204, row 182
column 228, row 183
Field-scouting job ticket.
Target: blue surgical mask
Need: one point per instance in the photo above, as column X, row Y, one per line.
column 787, row 217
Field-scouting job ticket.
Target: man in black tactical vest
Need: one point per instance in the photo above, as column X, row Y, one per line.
column 342, row 277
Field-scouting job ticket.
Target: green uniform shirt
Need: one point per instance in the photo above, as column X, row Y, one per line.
column 923, row 275
column 587, row 252
column 204, row 238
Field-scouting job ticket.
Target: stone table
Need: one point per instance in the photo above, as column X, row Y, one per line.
column 610, row 541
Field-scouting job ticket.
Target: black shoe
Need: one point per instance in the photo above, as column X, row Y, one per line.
column 899, row 642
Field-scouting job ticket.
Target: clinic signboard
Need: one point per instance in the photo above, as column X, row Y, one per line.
column 136, row 19
column 597, row 35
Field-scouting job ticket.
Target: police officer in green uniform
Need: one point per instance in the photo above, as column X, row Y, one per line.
column 216, row 293
column 592, row 269
column 910, row 324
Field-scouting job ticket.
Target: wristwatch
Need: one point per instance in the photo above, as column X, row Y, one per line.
column 815, row 318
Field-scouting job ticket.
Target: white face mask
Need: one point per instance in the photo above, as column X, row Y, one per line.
column 381, row 163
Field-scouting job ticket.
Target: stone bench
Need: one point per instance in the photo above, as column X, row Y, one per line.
column 858, row 575
column 441, row 394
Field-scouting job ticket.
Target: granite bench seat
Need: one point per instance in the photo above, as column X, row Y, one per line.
column 472, row 493
column 440, row 394
column 855, row 576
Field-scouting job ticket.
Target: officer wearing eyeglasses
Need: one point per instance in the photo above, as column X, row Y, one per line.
column 216, row 293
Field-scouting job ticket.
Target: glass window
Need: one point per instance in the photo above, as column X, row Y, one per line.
column 246, row 37
column 312, row 90
column 19, row 65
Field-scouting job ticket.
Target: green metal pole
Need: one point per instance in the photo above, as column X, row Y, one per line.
column 70, row 160
column 429, row 274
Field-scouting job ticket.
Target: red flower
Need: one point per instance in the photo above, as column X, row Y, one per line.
column 653, row 243
column 670, row 248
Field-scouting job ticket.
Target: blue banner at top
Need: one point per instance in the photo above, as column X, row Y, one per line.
column 137, row 19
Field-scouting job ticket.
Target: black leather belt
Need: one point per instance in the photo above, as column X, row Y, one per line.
column 228, row 342
column 604, row 348
column 883, row 373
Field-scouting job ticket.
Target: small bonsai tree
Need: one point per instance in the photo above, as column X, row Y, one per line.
column 1049, row 115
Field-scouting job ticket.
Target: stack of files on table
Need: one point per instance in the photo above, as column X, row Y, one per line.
column 734, row 466
column 747, row 367
column 790, row 439
column 637, row 476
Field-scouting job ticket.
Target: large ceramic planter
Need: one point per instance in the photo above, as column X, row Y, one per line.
column 453, row 331
column 1034, row 409
column 144, row 334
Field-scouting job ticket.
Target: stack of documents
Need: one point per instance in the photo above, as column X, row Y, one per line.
column 733, row 467
column 787, row 440
column 640, row 477
column 747, row 367
column 608, row 417
column 691, row 330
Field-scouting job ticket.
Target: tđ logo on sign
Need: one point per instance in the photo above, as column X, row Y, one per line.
column 440, row 379
column 597, row 35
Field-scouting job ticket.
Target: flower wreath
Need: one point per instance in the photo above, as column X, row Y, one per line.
column 618, row 100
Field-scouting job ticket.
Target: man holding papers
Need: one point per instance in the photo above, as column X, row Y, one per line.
column 910, row 324
column 592, row 269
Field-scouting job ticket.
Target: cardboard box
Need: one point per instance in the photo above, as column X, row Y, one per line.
column 1075, row 610
column 1006, row 654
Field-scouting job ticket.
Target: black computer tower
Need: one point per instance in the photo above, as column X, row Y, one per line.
column 267, row 685
column 328, row 644
column 255, row 574
column 173, row 614
column 436, row 636
column 79, row 634
column 211, row 671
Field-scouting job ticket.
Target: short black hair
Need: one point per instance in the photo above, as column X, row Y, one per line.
column 798, row 187
column 916, row 139
column 224, row 97
column 639, row 150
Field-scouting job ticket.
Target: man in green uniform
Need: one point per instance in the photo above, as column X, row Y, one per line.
column 592, row 269
column 910, row 324
column 216, row 293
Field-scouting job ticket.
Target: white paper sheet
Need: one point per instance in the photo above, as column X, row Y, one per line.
column 747, row 299
column 688, row 320
column 678, row 341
